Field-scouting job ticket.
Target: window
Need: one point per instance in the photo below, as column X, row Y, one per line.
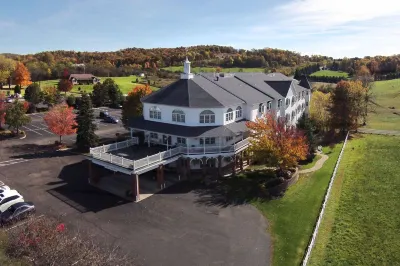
column 180, row 140
column 178, row 116
column 307, row 93
column 287, row 102
column 229, row 138
column 155, row 113
column 207, row 117
column 293, row 114
column 229, row 115
column 298, row 96
column 302, row 105
column 238, row 112
column 287, row 117
column 153, row 135
column 269, row 105
column 302, row 94
column 306, row 103
column 207, row 141
column 279, row 103
column 261, row 108
column 293, row 100
column 9, row 199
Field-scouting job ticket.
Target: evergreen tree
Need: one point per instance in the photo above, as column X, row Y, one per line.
column 99, row 95
column 114, row 93
column 86, row 136
column 307, row 125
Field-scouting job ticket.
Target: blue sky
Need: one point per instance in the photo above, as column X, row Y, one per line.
column 335, row 28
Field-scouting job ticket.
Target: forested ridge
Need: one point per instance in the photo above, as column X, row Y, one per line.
column 51, row 64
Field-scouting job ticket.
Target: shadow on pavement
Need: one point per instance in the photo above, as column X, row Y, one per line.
column 77, row 193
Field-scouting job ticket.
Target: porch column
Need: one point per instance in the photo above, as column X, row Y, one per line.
column 160, row 177
column 135, row 187
column 248, row 157
column 188, row 174
column 241, row 161
column 204, row 166
column 187, row 145
column 220, row 166
column 234, row 165
column 204, row 145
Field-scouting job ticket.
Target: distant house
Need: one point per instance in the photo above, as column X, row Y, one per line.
column 83, row 79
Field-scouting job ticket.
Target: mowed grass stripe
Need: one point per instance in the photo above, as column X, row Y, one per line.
column 361, row 225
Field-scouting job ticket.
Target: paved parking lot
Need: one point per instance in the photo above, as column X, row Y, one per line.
column 37, row 128
column 175, row 227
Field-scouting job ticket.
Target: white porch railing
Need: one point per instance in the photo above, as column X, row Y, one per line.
column 115, row 146
column 102, row 153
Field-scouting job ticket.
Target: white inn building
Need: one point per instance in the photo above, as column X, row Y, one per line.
column 200, row 120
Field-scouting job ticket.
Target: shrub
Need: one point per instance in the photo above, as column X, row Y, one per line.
column 17, row 89
column 71, row 100
column 46, row 241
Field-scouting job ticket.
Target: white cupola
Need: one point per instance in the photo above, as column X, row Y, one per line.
column 186, row 70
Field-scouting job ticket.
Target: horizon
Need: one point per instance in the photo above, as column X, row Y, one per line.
column 308, row 27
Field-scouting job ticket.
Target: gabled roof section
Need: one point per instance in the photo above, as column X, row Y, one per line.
column 236, row 87
column 82, row 76
column 282, row 86
column 197, row 92
column 259, row 82
column 304, row 82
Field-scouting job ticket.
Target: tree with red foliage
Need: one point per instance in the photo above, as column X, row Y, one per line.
column 65, row 74
column 61, row 120
column 277, row 142
column 132, row 106
column 2, row 108
column 65, row 85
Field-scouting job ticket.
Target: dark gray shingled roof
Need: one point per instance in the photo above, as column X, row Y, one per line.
column 304, row 82
column 259, row 81
column 282, row 86
column 187, row 131
column 196, row 92
column 238, row 88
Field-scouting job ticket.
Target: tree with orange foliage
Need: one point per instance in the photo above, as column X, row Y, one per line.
column 276, row 142
column 65, row 85
column 61, row 120
column 2, row 108
column 132, row 106
column 21, row 75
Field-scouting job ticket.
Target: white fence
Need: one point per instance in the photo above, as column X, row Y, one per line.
column 102, row 153
column 115, row 146
column 321, row 214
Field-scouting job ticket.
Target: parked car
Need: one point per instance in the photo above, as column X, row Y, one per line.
column 103, row 114
column 8, row 198
column 110, row 119
column 17, row 211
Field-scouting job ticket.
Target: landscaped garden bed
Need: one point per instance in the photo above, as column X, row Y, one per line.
column 9, row 134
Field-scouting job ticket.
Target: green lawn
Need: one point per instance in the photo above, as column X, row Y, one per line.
column 212, row 69
column 292, row 218
column 361, row 225
column 126, row 84
column 330, row 73
column 387, row 94
column 312, row 163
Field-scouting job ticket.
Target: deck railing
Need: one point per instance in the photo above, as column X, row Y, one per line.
column 115, row 146
column 102, row 153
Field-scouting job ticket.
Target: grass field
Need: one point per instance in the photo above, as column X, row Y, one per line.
column 212, row 69
column 387, row 94
column 361, row 225
column 126, row 84
column 292, row 218
column 330, row 73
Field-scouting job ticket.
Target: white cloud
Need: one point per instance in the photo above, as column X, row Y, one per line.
column 336, row 28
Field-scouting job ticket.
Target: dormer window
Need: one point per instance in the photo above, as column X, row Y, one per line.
column 178, row 116
column 279, row 103
column 229, row 115
column 269, row 105
column 261, row 108
column 207, row 117
column 238, row 112
column 155, row 113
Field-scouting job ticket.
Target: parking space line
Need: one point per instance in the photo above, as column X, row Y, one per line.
column 38, row 128
column 11, row 162
column 32, row 130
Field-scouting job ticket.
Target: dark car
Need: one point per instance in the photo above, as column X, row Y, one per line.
column 103, row 114
column 110, row 119
column 17, row 211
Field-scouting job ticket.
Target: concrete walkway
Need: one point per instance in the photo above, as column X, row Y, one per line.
column 317, row 165
column 379, row 131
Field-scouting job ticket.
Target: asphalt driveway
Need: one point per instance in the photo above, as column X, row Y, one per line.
column 169, row 228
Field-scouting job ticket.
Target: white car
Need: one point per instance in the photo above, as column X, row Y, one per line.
column 8, row 198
